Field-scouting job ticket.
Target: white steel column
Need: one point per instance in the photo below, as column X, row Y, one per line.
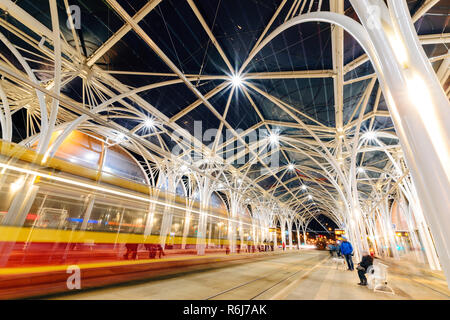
column 419, row 108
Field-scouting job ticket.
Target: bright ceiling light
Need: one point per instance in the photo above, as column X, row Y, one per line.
column 236, row 80
column 149, row 123
column 120, row 137
column 370, row 135
column 310, row 197
column 274, row 138
column 361, row 170
column 303, row 187
column 183, row 168
column 291, row 166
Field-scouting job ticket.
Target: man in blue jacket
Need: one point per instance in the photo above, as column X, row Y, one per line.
column 347, row 251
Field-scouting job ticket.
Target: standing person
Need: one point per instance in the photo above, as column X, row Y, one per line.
column 331, row 249
column 160, row 251
column 347, row 251
column 362, row 267
column 131, row 248
column 338, row 249
column 284, row 246
column 151, row 250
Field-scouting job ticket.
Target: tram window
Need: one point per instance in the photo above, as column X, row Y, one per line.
column 135, row 221
column 104, row 218
column 156, row 226
column 118, row 163
column 177, row 226
column 6, row 194
column 54, row 212
column 193, row 227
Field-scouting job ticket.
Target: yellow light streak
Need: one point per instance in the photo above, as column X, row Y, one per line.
column 111, row 191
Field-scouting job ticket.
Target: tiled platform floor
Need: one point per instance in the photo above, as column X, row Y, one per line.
column 326, row 282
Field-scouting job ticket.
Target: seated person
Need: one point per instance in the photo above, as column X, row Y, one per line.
column 362, row 267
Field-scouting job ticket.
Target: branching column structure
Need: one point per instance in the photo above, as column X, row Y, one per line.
column 297, row 229
column 266, row 217
column 189, row 205
column 290, row 222
column 419, row 109
column 407, row 79
column 410, row 193
column 204, row 189
column 169, row 178
column 407, row 189
column 234, row 200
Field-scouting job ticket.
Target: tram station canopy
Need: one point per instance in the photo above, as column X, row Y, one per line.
column 291, row 119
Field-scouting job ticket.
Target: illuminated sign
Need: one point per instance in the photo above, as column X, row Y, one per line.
column 339, row 231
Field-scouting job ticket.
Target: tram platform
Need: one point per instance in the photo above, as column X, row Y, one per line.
column 407, row 283
column 33, row 281
column 290, row 275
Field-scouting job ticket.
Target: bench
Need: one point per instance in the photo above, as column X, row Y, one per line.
column 377, row 278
